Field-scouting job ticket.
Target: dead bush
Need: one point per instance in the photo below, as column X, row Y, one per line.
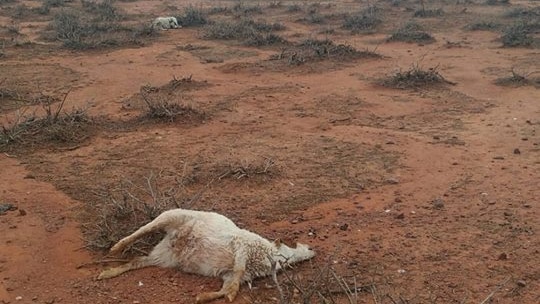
column 315, row 50
column 428, row 13
column 192, row 17
column 412, row 33
column 367, row 19
column 415, row 77
column 57, row 126
column 79, row 31
column 520, row 34
column 260, row 170
column 120, row 210
column 248, row 31
column 485, row 25
column 241, row 9
column 518, row 79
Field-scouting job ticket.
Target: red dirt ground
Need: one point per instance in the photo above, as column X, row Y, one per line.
column 426, row 195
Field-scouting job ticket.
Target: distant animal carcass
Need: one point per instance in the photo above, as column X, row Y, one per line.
column 165, row 23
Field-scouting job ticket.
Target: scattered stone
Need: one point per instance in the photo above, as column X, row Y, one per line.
column 503, row 257
column 294, row 221
column 6, row 207
column 397, row 200
column 18, row 298
column 436, row 137
column 438, row 203
column 344, row 227
column 498, row 157
column 524, row 138
column 516, row 151
column 390, row 142
column 521, row 283
column 29, row 176
column 400, row 216
column 22, row 212
column 392, row 181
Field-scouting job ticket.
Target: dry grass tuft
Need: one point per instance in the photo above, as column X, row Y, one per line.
column 415, row 77
column 57, row 126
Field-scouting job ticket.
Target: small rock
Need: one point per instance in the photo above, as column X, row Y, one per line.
column 438, row 203
column 400, row 216
column 18, row 298
column 521, row 283
column 390, row 142
column 498, row 157
column 295, row 221
column 22, row 212
column 436, row 137
column 397, row 200
column 516, row 151
column 401, row 271
column 524, row 138
column 392, row 181
column 503, row 257
column 344, row 227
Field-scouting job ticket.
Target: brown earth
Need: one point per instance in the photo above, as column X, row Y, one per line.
column 427, row 195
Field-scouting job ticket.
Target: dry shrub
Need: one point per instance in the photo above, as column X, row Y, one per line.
column 60, row 128
column 315, row 50
column 96, row 27
column 259, row 170
column 161, row 105
column 518, row 79
column 411, row 32
column 119, row 211
column 367, row 19
column 521, row 33
column 415, row 77
column 248, row 31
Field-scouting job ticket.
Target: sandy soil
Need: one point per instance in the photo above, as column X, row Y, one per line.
column 427, row 195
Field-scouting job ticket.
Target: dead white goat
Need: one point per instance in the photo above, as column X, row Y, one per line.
column 165, row 23
column 210, row 244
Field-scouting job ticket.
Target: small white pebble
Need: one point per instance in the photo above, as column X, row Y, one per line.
column 401, row 271
column 387, row 210
column 18, row 298
column 140, row 283
column 413, row 212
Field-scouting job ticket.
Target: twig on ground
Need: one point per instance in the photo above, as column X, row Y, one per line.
column 499, row 286
column 104, row 261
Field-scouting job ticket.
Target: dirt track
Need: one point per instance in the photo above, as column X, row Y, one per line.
column 428, row 195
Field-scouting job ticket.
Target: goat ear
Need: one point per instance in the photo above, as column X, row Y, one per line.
column 277, row 242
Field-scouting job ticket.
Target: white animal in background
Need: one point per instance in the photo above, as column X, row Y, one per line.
column 165, row 23
column 210, row 244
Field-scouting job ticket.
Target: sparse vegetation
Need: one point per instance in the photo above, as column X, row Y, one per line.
column 314, row 50
column 427, row 13
column 483, row 26
column 411, row 32
column 242, row 9
column 497, row 2
column 55, row 127
column 521, row 12
column 518, row 79
column 160, row 106
column 519, row 34
column 248, row 31
column 192, row 17
column 293, row 8
column 415, row 77
column 102, row 11
column 364, row 20
column 121, row 210
column 78, row 31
